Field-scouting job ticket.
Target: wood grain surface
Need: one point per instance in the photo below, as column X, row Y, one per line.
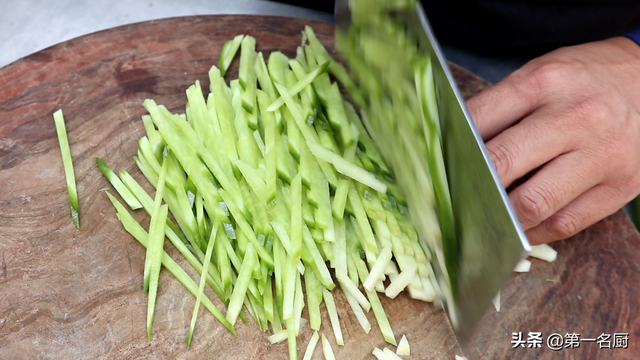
column 68, row 293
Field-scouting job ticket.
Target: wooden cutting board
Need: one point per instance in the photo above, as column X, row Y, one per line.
column 68, row 293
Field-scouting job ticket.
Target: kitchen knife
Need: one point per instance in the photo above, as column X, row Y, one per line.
column 414, row 111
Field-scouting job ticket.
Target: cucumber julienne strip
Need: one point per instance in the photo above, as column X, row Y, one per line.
column 203, row 277
column 155, row 241
column 153, row 245
column 155, row 248
column 228, row 52
column 333, row 315
column 326, row 349
column 67, row 163
column 347, row 168
column 311, row 346
column 124, row 192
column 242, row 283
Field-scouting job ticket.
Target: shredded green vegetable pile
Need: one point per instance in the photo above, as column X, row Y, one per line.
column 272, row 181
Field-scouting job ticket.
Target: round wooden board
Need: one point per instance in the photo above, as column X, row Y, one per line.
column 68, row 293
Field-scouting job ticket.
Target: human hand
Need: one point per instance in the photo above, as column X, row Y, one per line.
column 573, row 117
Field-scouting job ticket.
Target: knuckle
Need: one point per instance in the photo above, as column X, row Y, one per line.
column 564, row 225
column 590, row 112
column 502, row 155
column 547, row 75
column 533, row 205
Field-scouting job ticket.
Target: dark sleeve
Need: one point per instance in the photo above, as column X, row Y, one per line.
column 634, row 35
column 529, row 27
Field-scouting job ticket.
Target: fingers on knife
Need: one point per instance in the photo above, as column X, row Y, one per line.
column 553, row 187
column 503, row 104
column 531, row 143
column 595, row 204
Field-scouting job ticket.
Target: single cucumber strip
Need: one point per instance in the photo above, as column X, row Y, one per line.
column 337, row 116
column 339, row 262
column 124, row 192
column 347, row 168
column 314, row 297
column 327, row 250
column 145, row 149
column 543, row 252
column 333, row 315
column 382, row 233
column 377, row 270
column 67, row 163
column 225, row 114
column 282, row 235
column 152, row 251
column 155, row 249
column 138, row 233
column 296, row 219
column 327, row 350
column 271, row 136
column 278, row 337
column 277, row 64
column 349, row 287
column 200, row 217
column 290, row 276
column 203, row 277
column 300, row 56
column 363, row 228
column 155, row 140
column 298, row 305
column 391, row 355
column 291, row 339
column 222, row 260
column 267, row 300
column 357, row 311
column 300, row 85
column 379, row 354
column 318, row 264
column 311, row 346
column 323, row 216
column 523, row 265
column 247, row 58
column 279, row 257
column 228, row 52
column 260, row 68
column 403, row 347
column 257, row 137
column 241, row 285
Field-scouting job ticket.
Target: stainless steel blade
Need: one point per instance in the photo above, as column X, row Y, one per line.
column 483, row 242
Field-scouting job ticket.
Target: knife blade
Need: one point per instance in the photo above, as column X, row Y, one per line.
column 413, row 109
